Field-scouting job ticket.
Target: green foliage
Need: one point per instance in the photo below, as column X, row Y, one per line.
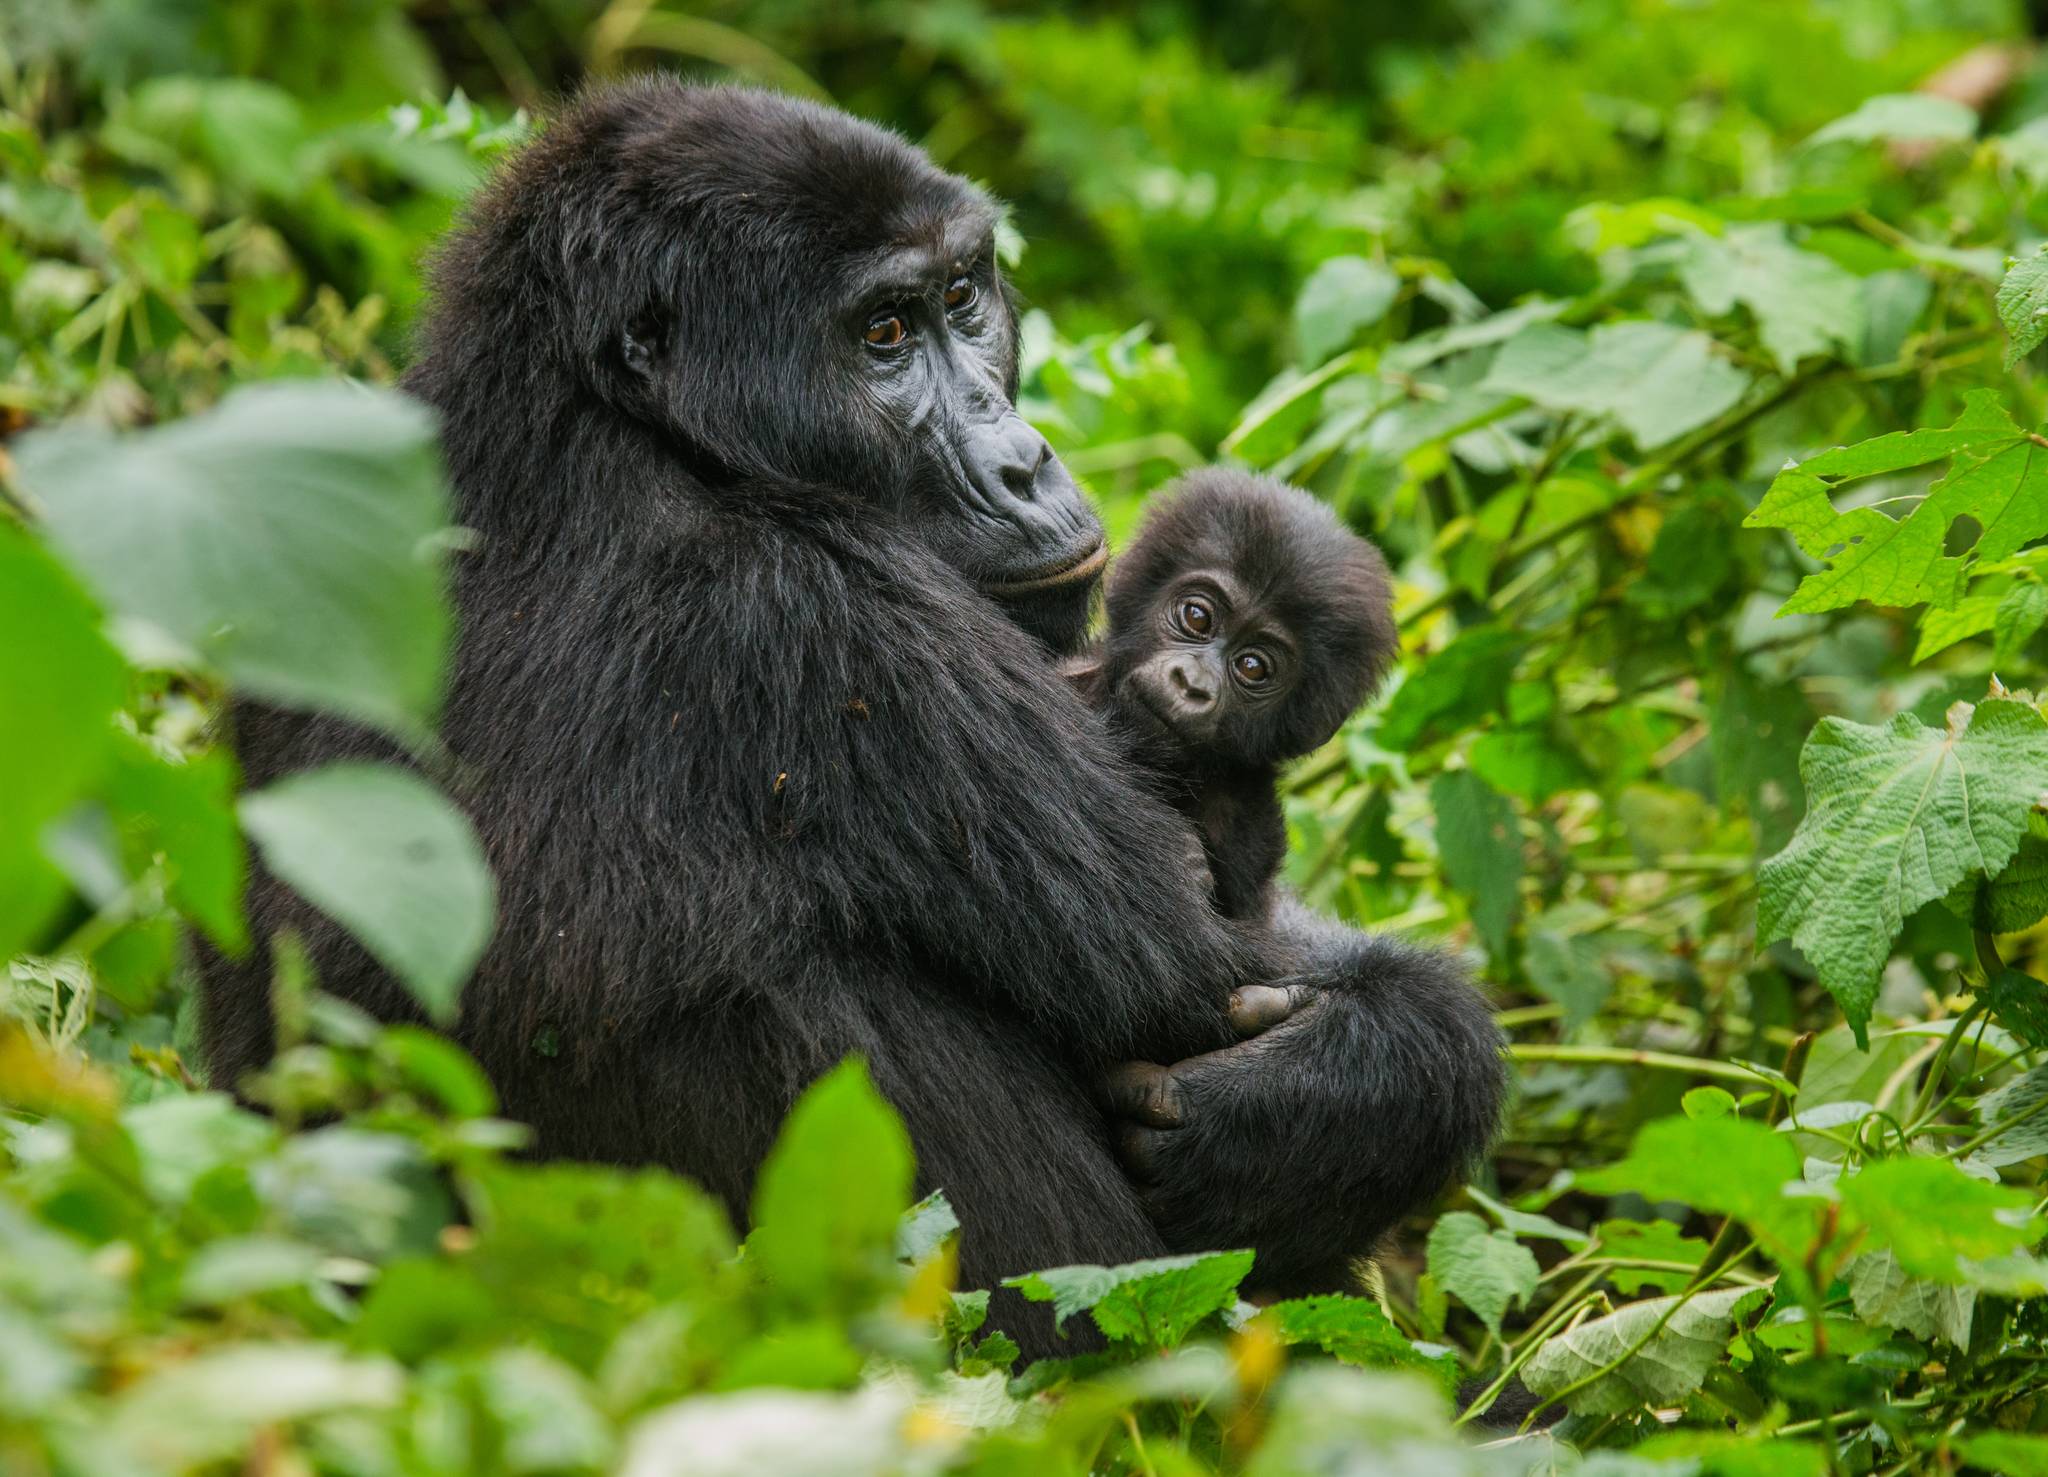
column 1620, row 325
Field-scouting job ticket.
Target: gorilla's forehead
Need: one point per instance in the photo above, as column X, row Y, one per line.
column 782, row 171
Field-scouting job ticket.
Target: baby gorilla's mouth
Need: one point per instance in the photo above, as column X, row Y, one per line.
column 1083, row 566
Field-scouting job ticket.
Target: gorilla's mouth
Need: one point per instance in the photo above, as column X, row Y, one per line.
column 1081, row 567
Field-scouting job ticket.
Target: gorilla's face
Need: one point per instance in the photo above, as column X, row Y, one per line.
column 813, row 302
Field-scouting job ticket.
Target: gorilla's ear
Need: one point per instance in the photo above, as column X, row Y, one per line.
column 641, row 345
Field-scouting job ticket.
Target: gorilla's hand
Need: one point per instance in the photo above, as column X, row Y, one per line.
column 1364, row 1083
column 1151, row 1101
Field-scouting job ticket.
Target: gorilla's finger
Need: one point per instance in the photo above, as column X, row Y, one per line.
column 1144, row 1092
column 1257, row 1008
column 1141, row 1150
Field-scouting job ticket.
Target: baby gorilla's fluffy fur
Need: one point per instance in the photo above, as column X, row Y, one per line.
column 1245, row 624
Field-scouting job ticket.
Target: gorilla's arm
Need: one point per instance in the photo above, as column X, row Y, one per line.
column 1379, row 1080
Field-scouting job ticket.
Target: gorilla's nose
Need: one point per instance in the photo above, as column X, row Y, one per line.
column 1192, row 689
column 1023, row 456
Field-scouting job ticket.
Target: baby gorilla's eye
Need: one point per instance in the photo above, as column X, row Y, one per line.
column 961, row 294
column 1253, row 667
column 1195, row 616
column 886, row 330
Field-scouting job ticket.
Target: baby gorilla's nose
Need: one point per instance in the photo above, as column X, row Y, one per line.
column 1191, row 686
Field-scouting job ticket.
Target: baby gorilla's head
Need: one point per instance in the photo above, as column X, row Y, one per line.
column 1245, row 621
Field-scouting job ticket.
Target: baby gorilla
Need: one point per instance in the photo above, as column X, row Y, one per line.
column 1246, row 623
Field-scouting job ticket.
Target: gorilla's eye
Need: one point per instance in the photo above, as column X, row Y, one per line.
column 1252, row 667
column 887, row 330
column 1195, row 616
column 961, row 294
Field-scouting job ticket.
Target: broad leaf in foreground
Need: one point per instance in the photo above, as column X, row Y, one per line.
column 1156, row 1303
column 1670, row 1365
column 1486, row 1270
column 1896, row 817
column 1998, row 475
column 832, row 1192
column 380, row 851
column 287, row 539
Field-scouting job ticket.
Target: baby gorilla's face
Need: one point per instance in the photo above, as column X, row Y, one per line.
column 1215, row 664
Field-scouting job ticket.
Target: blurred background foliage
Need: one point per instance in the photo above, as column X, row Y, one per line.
column 1544, row 296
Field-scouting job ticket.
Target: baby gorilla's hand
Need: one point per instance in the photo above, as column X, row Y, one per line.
column 1149, row 1102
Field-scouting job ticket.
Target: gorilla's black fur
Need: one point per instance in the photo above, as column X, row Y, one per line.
column 768, row 777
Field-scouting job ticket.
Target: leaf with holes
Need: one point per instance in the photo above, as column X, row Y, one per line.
column 1896, row 817
column 1998, row 476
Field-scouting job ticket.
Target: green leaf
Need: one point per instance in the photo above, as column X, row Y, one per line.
column 1459, row 684
column 635, row 1239
column 1343, row 295
column 2009, row 1453
column 1936, row 1219
column 1804, row 304
column 1733, row 1166
column 288, row 538
column 2016, row 898
column 925, row 1227
column 2020, row 614
column 1355, row 1331
column 1997, row 476
column 830, row 1194
column 2020, row 1098
column 1648, row 1241
column 61, row 689
column 1657, row 381
column 1155, row 1303
column 381, row 852
column 1891, row 115
column 247, row 1266
column 202, row 1410
column 2023, row 305
column 2021, row 1004
column 1886, row 1297
column 1670, row 1365
column 184, row 810
column 1480, row 844
column 1897, row 816
column 1486, row 1270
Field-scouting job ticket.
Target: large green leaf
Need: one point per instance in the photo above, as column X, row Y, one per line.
column 1998, row 475
column 1734, row 1166
column 1939, row 1222
column 1484, row 1269
column 288, row 538
column 1343, row 295
column 1154, row 1303
column 1896, row 817
column 380, row 851
column 830, row 1194
column 1656, row 381
column 1894, row 115
column 60, row 683
column 1804, row 303
column 1669, row 1365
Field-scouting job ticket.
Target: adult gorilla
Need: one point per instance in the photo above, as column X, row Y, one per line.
column 768, row 771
